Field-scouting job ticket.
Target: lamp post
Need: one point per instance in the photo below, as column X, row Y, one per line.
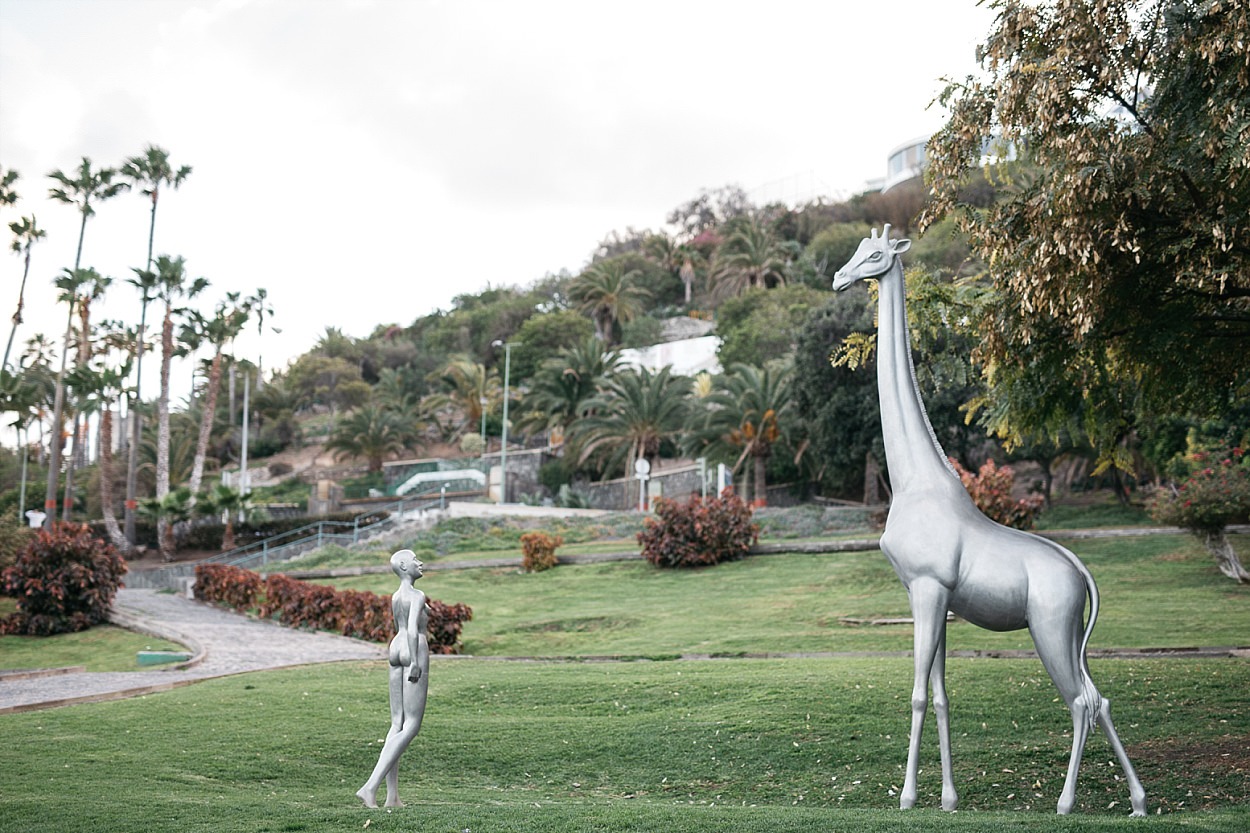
column 503, row 451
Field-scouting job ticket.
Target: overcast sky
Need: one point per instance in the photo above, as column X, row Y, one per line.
column 367, row 160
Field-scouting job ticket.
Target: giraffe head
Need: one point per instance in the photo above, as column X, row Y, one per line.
column 872, row 259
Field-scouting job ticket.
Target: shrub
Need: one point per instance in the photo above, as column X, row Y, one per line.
column 1215, row 494
column 356, row 613
column 990, row 489
column 698, row 532
column 64, row 581
column 538, row 551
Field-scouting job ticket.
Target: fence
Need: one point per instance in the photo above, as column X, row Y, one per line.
column 281, row 547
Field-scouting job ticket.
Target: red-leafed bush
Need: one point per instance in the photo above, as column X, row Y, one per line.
column 698, row 532
column 990, row 489
column 538, row 551
column 356, row 613
column 64, row 581
column 231, row 586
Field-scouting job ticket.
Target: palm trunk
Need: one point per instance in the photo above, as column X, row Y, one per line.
column 17, row 316
column 58, row 412
column 163, row 529
column 106, row 481
column 1226, row 557
column 206, row 425
column 136, row 419
column 761, row 474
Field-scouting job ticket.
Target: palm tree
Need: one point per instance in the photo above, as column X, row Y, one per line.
column 98, row 388
column 172, row 285
column 636, row 414
column 90, row 185
column 372, row 432
column 168, row 512
column 750, row 256
column 92, row 289
column 8, row 196
column 746, row 417
column 68, row 283
column 149, row 172
column 21, row 396
column 227, row 322
column 559, row 390
column 469, row 390
column 227, row 502
column 25, row 235
column 607, row 293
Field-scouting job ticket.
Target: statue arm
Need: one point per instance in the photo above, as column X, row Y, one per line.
column 418, row 644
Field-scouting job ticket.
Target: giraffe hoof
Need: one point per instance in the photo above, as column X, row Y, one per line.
column 950, row 801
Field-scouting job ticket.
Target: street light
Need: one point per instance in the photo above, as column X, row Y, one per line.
column 503, row 451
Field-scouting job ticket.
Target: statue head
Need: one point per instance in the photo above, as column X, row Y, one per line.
column 406, row 563
column 874, row 257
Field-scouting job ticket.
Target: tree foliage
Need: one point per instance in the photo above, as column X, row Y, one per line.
column 1120, row 247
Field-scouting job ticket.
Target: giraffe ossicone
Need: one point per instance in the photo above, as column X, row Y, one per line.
column 951, row 557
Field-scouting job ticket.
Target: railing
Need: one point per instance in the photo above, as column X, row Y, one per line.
column 285, row 546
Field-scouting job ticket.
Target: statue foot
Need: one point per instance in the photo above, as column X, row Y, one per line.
column 393, row 801
column 369, row 797
column 950, row 800
column 907, row 801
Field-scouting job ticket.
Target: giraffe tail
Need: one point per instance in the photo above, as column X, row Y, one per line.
column 1089, row 692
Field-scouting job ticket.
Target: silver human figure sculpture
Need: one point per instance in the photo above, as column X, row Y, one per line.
column 949, row 556
column 409, row 657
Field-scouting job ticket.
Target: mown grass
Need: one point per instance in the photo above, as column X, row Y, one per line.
column 103, row 648
column 736, row 745
column 1157, row 591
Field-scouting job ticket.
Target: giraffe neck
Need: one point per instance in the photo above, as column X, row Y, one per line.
column 915, row 458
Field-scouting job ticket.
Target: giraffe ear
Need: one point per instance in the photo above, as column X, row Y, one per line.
column 899, row 246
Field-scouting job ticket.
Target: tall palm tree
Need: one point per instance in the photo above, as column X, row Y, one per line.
column 372, row 432
column 70, row 281
column 607, row 292
column 91, row 289
column 149, row 171
column 227, row 322
column 633, row 417
column 173, row 285
column 91, row 185
column 25, row 235
column 745, row 419
column 750, row 256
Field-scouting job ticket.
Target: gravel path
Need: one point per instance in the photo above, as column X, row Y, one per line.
column 221, row 642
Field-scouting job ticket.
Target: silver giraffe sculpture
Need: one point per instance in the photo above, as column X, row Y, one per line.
column 949, row 556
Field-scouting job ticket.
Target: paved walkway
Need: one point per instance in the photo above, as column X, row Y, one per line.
column 221, row 642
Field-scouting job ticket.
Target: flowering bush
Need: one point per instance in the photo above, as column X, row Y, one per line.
column 698, row 532
column 295, row 603
column 1214, row 495
column 538, row 551
column 990, row 489
column 64, row 581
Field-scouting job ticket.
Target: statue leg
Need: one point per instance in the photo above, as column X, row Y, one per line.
column 1057, row 639
column 391, row 748
column 1137, row 793
column 941, row 709
column 928, row 610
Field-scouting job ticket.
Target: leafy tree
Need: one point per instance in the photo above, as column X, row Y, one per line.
column 1118, row 249
column 227, row 502
column 334, row 383
column 749, row 415
column 25, row 235
column 373, row 432
column 838, row 406
column 751, row 256
column 712, row 208
column 607, row 291
column 90, row 186
column 543, row 336
column 637, row 415
column 760, row 325
column 1215, row 493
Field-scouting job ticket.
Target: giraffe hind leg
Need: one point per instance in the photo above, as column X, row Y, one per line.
column 1137, row 793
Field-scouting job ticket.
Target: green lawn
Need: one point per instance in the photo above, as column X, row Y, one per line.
column 104, row 648
column 1157, row 591
column 729, row 745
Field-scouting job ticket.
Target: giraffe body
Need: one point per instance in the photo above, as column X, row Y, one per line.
column 951, row 557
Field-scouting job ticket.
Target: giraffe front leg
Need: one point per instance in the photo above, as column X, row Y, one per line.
column 941, row 709
column 928, row 610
